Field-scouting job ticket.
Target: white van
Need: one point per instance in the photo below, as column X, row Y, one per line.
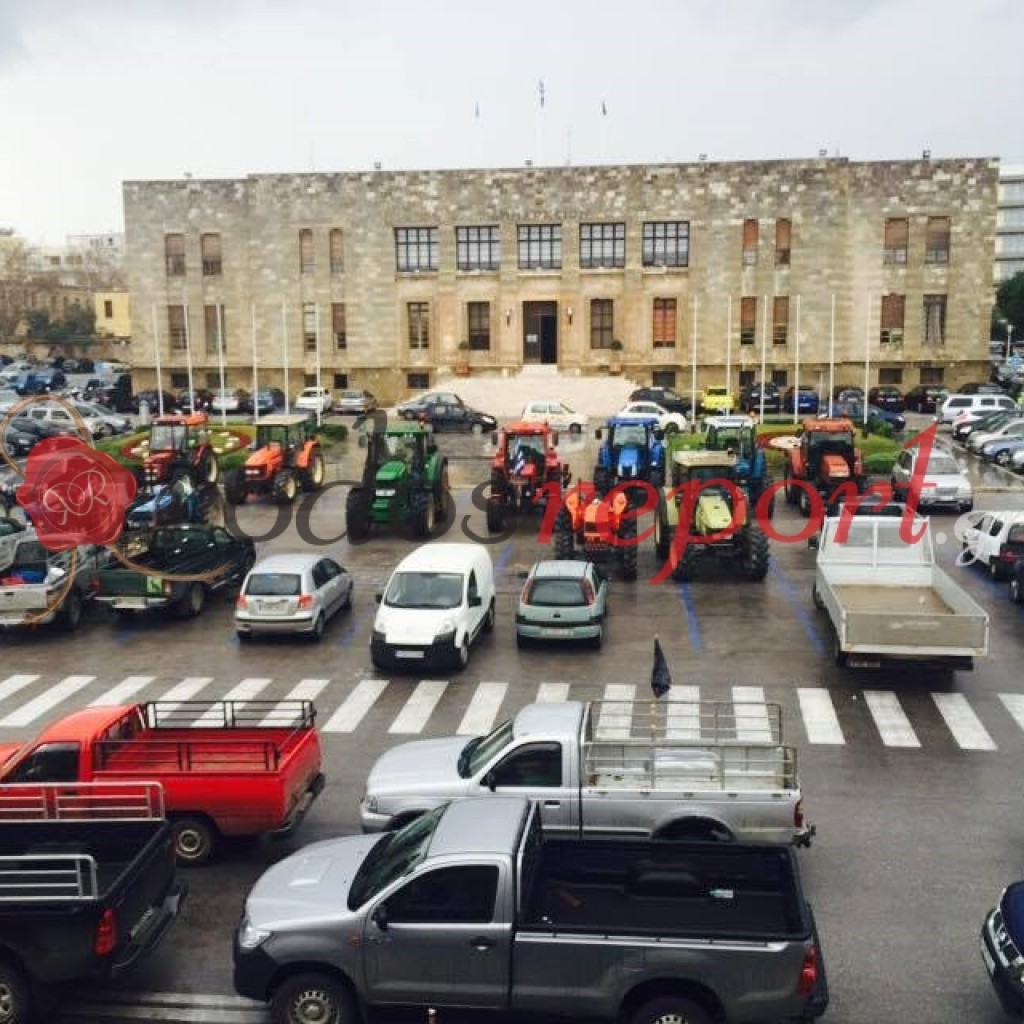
column 995, row 540
column 439, row 599
column 956, row 404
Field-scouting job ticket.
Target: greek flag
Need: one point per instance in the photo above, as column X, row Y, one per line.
column 661, row 677
column 519, row 461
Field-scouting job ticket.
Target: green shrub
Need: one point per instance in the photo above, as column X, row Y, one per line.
column 880, row 463
column 334, row 432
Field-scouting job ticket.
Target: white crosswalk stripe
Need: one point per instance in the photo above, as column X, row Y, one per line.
column 1014, row 703
column 46, row 701
column 682, row 716
column 963, row 723
column 123, row 692
column 12, row 684
column 186, row 690
column 819, row 716
column 752, row 722
column 615, row 718
column 483, row 709
column 890, row 719
column 247, row 689
column 355, row 706
column 552, row 693
column 419, row 707
column 305, row 689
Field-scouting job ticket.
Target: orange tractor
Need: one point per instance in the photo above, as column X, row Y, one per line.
column 827, row 461
column 602, row 528
column 525, row 461
column 179, row 446
column 287, row 455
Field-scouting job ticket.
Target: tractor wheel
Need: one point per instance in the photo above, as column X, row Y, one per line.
column 602, row 481
column 357, row 514
column 755, row 554
column 562, row 535
column 209, row 469
column 627, row 535
column 285, row 487
column 662, row 532
column 421, row 521
column 790, row 492
column 313, row 475
column 805, row 503
column 495, row 514
column 234, row 487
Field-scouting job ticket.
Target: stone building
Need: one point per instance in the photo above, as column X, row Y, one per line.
column 394, row 280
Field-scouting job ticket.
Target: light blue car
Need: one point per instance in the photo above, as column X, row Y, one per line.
column 562, row 600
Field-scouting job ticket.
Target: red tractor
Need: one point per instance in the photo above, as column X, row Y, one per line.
column 826, row 460
column 180, row 446
column 604, row 528
column 286, row 456
column 525, row 461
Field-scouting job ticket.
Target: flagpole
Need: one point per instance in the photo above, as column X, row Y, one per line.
column 728, row 349
column 159, row 375
column 693, row 366
column 188, row 362
column 319, row 410
column 284, row 349
column 796, row 382
column 764, row 354
column 867, row 359
column 832, row 356
column 604, row 133
column 540, row 125
column 255, row 375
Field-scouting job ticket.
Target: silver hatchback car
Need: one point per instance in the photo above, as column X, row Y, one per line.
column 294, row 594
column 562, row 600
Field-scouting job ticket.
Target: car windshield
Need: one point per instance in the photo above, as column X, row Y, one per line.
column 630, row 434
column 943, row 465
column 166, row 437
column 555, row 593
column 482, row 749
column 424, row 590
column 393, row 857
column 274, row 584
column 836, row 437
column 401, row 446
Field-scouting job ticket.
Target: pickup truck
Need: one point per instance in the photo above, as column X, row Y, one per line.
column 704, row 770
column 888, row 600
column 34, row 590
column 87, row 886
column 183, row 550
column 12, row 533
column 227, row 769
column 472, row 906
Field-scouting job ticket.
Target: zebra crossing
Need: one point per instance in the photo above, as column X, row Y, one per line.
column 404, row 707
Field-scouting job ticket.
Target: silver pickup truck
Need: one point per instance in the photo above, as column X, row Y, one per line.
column 672, row 770
column 472, row 906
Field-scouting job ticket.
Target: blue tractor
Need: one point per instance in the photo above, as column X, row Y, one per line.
column 633, row 448
column 738, row 434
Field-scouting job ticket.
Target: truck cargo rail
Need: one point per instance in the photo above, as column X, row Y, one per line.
column 231, row 714
column 24, row 803
column 677, row 722
column 40, row 877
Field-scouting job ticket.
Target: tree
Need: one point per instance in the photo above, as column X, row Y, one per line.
column 1010, row 306
column 15, row 284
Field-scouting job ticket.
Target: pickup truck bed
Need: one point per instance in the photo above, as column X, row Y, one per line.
column 872, row 598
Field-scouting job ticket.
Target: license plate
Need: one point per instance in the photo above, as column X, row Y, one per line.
column 555, row 631
column 408, row 654
column 987, row 957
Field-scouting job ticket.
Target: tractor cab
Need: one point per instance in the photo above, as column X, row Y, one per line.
column 829, row 451
column 731, row 433
column 715, row 474
column 179, row 445
column 633, row 449
column 398, row 450
column 284, row 433
column 177, row 434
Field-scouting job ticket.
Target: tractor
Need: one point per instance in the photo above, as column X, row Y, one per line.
column 717, row 509
column 633, row 449
column 171, row 504
column 525, row 461
column 827, row 460
column 179, row 446
column 405, row 480
column 602, row 527
column 738, row 434
column 286, row 456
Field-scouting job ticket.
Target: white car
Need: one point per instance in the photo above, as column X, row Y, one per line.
column 59, row 416
column 985, row 539
column 315, row 400
column 944, row 483
column 556, row 415
column 226, row 400
column 668, row 421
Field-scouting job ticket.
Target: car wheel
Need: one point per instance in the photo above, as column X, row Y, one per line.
column 1016, row 591
column 15, row 995
column 674, row 1009
column 462, row 654
column 194, row 840
column 597, row 640
column 312, row 998
column 319, row 625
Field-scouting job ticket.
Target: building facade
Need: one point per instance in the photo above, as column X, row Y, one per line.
column 113, row 315
column 392, row 280
column 1010, row 224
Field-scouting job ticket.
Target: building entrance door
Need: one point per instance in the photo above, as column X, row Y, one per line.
column 540, row 332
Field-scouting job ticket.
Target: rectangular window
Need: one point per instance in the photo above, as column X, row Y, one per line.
column 746, row 378
column 602, row 323
column 663, row 378
column 417, row 381
column 179, row 380
column 309, row 327
column 664, row 333
column 780, row 377
column 932, row 374
column 897, row 239
column 176, row 327
column 340, row 381
column 309, row 380
column 602, row 245
column 935, row 320
column 336, row 254
column 783, row 240
column 478, row 248
column 338, row 325
column 780, row 320
column 213, row 380
column 936, row 240
column 748, row 319
column 174, row 255
column 416, row 250
column 891, row 319
column 419, row 325
column 210, row 247
column 890, row 376
column 307, row 255
column 108, row 309
column 666, row 243
column 478, row 317
column 213, row 317
column 750, row 243
column 540, row 246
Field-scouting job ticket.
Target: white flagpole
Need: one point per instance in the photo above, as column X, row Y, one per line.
column 284, row 349
column 188, row 362
column 220, row 361
column 867, row 359
column 540, row 125
column 764, row 353
column 832, row 355
column 319, row 412
column 255, row 374
column 693, row 365
column 159, row 375
column 796, row 382
column 728, row 349
column 604, row 133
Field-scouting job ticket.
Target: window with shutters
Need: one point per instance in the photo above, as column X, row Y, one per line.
column 749, row 243
column 176, row 327
column 748, row 319
column 936, row 244
column 663, row 378
column 213, row 327
column 602, row 246
column 307, row 256
column 540, row 246
column 666, row 243
column 601, row 323
column 891, row 314
column 417, row 381
column 664, row 333
column 419, row 324
column 935, row 320
column 210, row 247
column 338, row 325
column 783, row 240
column 416, row 250
column 309, row 327
column 478, row 320
column 174, row 255
column 780, row 320
column 336, row 250
column 897, row 240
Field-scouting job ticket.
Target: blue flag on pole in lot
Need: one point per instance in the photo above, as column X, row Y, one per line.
column 661, row 678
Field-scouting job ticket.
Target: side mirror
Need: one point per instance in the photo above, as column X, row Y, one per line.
column 378, row 597
column 380, row 916
column 490, row 781
column 494, row 438
column 476, row 601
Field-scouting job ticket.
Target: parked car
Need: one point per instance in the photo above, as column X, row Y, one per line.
column 802, row 400
column 1000, row 449
column 944, row 484
column 925, row 398
column 986, row 540
column 887, row 397
column 979, row 438
column 562, row 600
column 413, row 407
column 199, row 400
column 458, row 418
column 268, row 400
column 8, row 399
column 151, row 399
column 847, row 393
column 556, row 415
column 750, row 400
column 667, row 398
column 355, row 402
column 231, row 400
column 60, row 416
column 295, row 594
column 318, row 400
column 117, row 423
column 958, row 403
column 667, row 421
column 967, row 422
column 24, row 433
column 854, row 410
column 42, row 381
column 981, row 388
column 716, row 400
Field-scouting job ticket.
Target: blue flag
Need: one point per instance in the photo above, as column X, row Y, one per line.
column 661, row 678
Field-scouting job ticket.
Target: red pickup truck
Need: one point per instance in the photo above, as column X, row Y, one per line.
column 227, row 768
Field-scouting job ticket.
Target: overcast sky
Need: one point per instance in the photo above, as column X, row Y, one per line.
column 93, row 94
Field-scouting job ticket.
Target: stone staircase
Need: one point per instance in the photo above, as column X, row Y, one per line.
column 505, row 396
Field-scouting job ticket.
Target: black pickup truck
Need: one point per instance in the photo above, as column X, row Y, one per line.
column 175, row 550
column 87, row 886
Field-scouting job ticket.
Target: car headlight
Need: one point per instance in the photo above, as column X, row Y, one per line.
column 250, row 937
column 446, row 632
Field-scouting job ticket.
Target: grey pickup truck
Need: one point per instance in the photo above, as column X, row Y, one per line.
column 471, row 906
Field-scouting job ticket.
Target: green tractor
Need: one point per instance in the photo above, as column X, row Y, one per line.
column 718, row 509
column 405, row 481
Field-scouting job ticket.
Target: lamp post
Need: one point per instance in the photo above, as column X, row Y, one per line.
column 1009, row 339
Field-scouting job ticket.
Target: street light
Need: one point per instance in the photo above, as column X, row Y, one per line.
column 1009, row 338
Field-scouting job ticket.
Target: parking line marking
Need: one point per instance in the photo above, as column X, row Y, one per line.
column 692, row 624
column 355, row 706
column 682, row 719
column 963, row 723
column 751, row 711
column 615, row 717
column 124, row 691
column 821, row 723
column 483, row 709
column 243, row 691
column 419, row 707
column 48, row 699
column 305, row 689
column 12, row 684
column 552, row 693
column 892, row 723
